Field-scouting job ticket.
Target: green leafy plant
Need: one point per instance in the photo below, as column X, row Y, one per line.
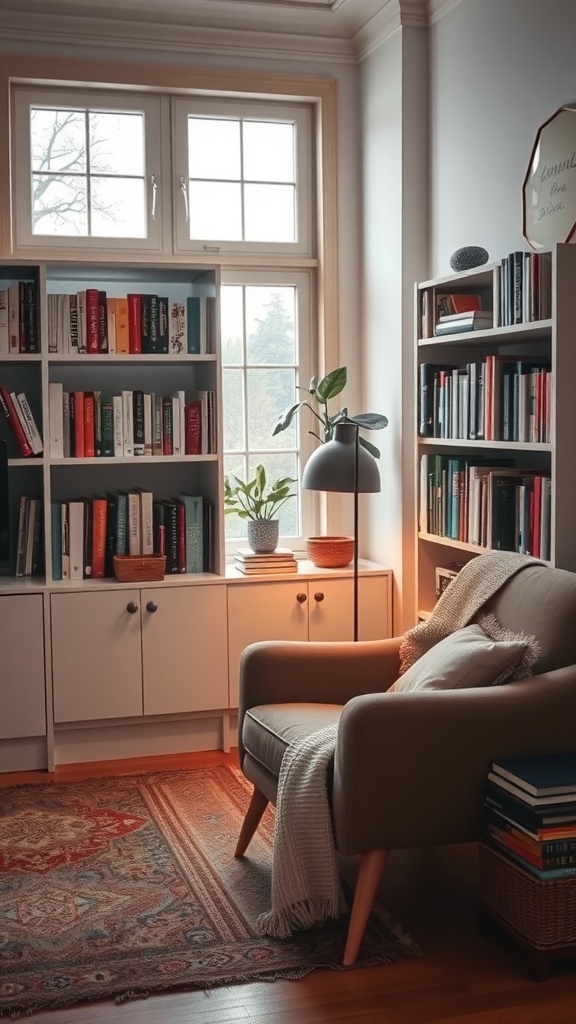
column 250, row 500
column 323, row 391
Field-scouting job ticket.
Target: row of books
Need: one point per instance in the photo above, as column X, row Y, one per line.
column 521, row 293
column 495, row 505
column 29, row 547
column 20, row 419
column 18, row 318
column 499, row 398
column 88, row 424
column 281, row 561
column 87, row 532
column 91, row 322
column 530, row 808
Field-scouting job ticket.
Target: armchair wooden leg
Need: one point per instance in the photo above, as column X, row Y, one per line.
column 256, row 808
column 369, row 874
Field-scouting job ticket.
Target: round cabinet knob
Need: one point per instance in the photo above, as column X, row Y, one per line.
column 151, row 606
column 319, row 596
column 132, row 607
column 301, row 598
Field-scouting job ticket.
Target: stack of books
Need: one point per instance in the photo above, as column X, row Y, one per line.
column 531, row 812
column 281, row 560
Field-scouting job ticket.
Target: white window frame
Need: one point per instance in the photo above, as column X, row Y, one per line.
column 304, row 282
column 23, row 99
column 298, row 114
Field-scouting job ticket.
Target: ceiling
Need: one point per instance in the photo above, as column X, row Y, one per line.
column 321, row 29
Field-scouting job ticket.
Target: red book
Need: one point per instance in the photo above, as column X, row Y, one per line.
column 193, row 425
column 99, row 515
column 14, row 422
column 134, row 322
column 79, row 424
column 89, row 434
column 92, row 321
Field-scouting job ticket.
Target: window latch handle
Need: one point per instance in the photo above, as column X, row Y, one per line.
column 184, row 191
column 154, row 185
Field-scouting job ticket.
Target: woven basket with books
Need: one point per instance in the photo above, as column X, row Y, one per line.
column 139, row 568
column 544, row 912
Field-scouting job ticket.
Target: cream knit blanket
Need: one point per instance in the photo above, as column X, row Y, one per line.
column 305, row 881
column 479, row 580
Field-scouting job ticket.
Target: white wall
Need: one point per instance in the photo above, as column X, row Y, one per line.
column 499, row 69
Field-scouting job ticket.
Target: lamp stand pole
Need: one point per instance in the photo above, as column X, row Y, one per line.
column 356, row 444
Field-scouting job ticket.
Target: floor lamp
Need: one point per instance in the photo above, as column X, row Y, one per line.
column 344, row 465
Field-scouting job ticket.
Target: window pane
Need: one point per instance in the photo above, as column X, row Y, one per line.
column 269, row 392
column 213, row 148
column 278, row 466
column 270, row 325
column 117, row 143
column 58, row 140
column 59, row 205
column 270, row 213
column 268, row 151
column 118, row 208
column 231, row 323
column 233, row 403
column 215, row 211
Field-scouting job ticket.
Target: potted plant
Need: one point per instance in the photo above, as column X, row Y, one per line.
column 260, row 506
column 322, row 391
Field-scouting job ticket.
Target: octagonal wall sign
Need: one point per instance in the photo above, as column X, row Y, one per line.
column 549, row 189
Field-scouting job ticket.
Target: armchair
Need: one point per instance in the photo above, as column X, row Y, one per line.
column 409, row 767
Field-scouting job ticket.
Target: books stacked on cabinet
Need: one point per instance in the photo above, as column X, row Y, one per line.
column 89, row 424
column 530, row 810
column 20, row 419
column 523, row 288
column 19, row 319
column 91, row 322
column 280, row 561
column 87, row 532
column 488, row 502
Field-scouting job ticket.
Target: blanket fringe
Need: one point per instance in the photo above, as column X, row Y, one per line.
column 299, row 916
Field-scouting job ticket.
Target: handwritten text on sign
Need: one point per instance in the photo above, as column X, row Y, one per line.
column 550, row 185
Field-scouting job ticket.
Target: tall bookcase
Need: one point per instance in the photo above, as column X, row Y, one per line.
column 52, row 478
column 518, row 377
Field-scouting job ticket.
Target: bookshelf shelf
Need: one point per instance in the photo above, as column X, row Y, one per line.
column 494, row 416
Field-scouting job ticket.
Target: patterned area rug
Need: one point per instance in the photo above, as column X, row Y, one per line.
column 125, row 886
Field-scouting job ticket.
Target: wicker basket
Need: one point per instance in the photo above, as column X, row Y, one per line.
column 139, row 568
column 544, row 912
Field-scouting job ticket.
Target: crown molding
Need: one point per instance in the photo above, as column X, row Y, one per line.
column 58, row 31
column 397, row 14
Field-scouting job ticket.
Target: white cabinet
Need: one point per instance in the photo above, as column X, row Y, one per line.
column 96, row 655
column 134, row 652
column 185, row 659
column 317, row 608
column 22, row 689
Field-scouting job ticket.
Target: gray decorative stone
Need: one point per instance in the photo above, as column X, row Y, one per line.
column 468, row 257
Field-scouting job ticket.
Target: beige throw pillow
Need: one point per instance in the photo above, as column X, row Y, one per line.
column 465, row 658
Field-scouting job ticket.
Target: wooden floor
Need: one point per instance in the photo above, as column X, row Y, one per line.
column 462, row 978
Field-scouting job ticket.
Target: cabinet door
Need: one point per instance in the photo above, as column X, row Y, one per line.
column 96, row 655
column 22, row 693
column 331, row 608
column 184, row 649
column 263, row 611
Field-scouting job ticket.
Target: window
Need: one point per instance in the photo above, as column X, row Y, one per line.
column 93, row 169
column 244, row 173
column 266, row 331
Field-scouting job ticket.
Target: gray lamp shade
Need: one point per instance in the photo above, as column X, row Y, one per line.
column 332, row 466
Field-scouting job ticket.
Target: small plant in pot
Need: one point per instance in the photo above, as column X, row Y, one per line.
column 260, row 505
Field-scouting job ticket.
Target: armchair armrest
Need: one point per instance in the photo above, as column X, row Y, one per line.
column 276, row 672
column 410, row 769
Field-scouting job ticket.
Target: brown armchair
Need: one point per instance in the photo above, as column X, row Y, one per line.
column 409, row 768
